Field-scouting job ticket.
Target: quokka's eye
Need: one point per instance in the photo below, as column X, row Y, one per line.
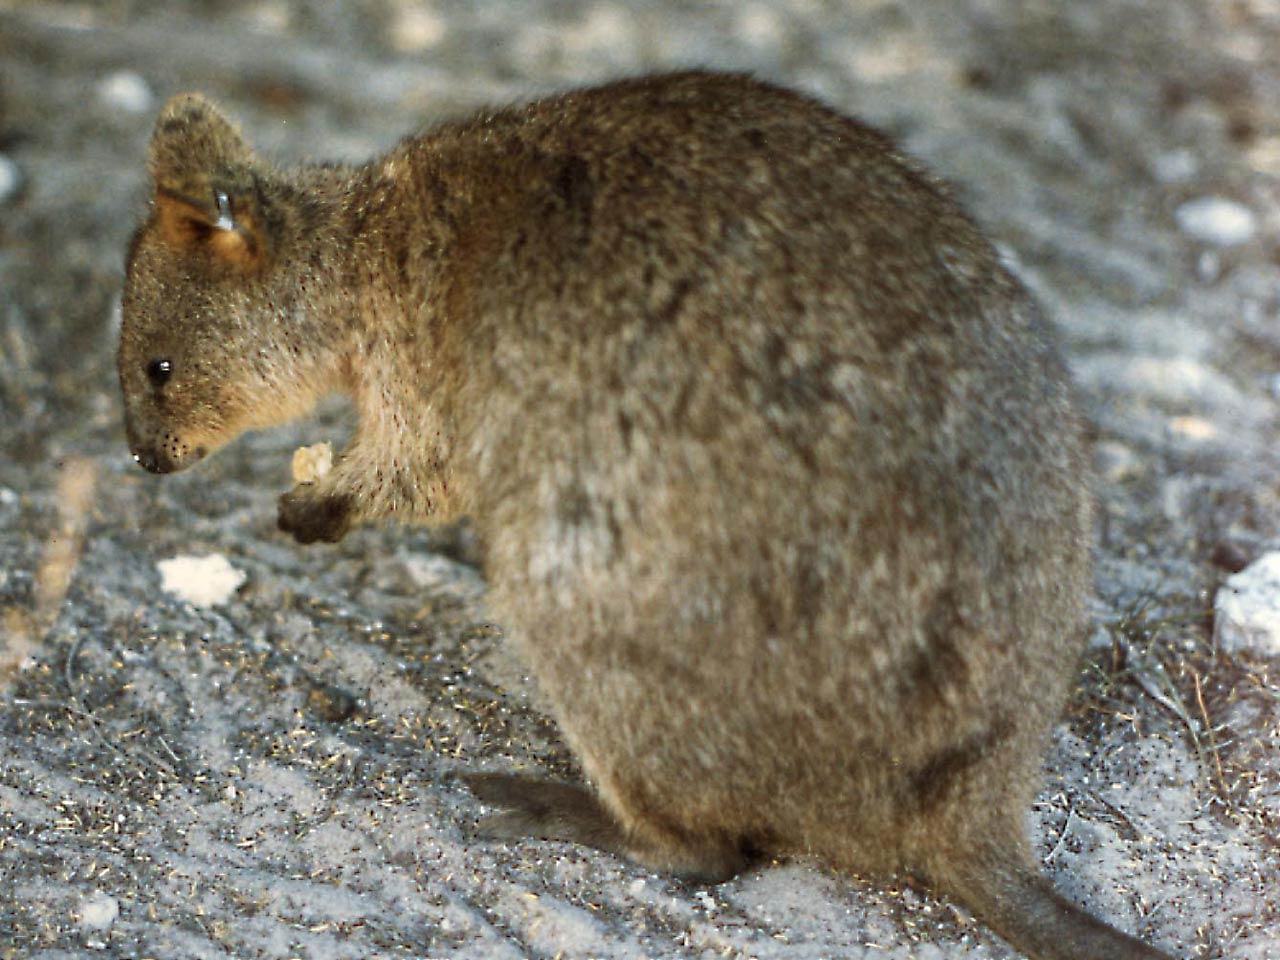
column 159, row 371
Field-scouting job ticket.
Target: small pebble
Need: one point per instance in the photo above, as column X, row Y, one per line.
column 331, row 704
column 1246, row 610
column 416, row 29
column 1217, row 220
column 127, row 91
column 1193, row 428
column 98, row 912
column 200, row 581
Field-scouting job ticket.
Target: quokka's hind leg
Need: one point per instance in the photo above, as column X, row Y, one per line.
column 549, row 810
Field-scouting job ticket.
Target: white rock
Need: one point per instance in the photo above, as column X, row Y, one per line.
column 200, row 581
column 1247, row 609
column 417, row 28
column 1217, row 220
column 127, row 91
column 98, row 912
column 10, row 178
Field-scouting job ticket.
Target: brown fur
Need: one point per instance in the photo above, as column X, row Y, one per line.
column 776, row 468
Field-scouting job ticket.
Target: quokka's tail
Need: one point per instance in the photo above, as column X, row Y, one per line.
column 1022, row 907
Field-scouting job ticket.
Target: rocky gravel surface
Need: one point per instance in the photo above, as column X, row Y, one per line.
column 266, row 768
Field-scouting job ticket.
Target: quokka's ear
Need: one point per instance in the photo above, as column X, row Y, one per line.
column 206, row 190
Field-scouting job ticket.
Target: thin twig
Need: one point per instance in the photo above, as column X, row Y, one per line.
column 69, row 667
column 1208, row 729
column 1066, row 827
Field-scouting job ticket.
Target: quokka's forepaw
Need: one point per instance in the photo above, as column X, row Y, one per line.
column 313, row 517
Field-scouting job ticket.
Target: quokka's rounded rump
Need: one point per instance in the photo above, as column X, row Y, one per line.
column 776, row 468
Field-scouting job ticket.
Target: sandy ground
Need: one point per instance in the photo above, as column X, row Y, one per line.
column 272, row 776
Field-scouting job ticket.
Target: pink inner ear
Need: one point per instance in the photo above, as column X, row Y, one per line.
column 180, row 222
column 235, row 246
column 185, row 225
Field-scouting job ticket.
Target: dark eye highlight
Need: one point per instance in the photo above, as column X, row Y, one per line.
column 159, row 371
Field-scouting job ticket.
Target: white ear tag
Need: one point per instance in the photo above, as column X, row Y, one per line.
column 224, row 211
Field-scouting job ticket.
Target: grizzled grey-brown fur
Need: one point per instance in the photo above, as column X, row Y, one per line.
column 775, row 467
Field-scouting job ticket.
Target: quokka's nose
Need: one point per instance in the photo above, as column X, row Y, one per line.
column 148, row 460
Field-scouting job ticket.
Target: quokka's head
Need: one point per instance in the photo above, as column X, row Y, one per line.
column 210, row 344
